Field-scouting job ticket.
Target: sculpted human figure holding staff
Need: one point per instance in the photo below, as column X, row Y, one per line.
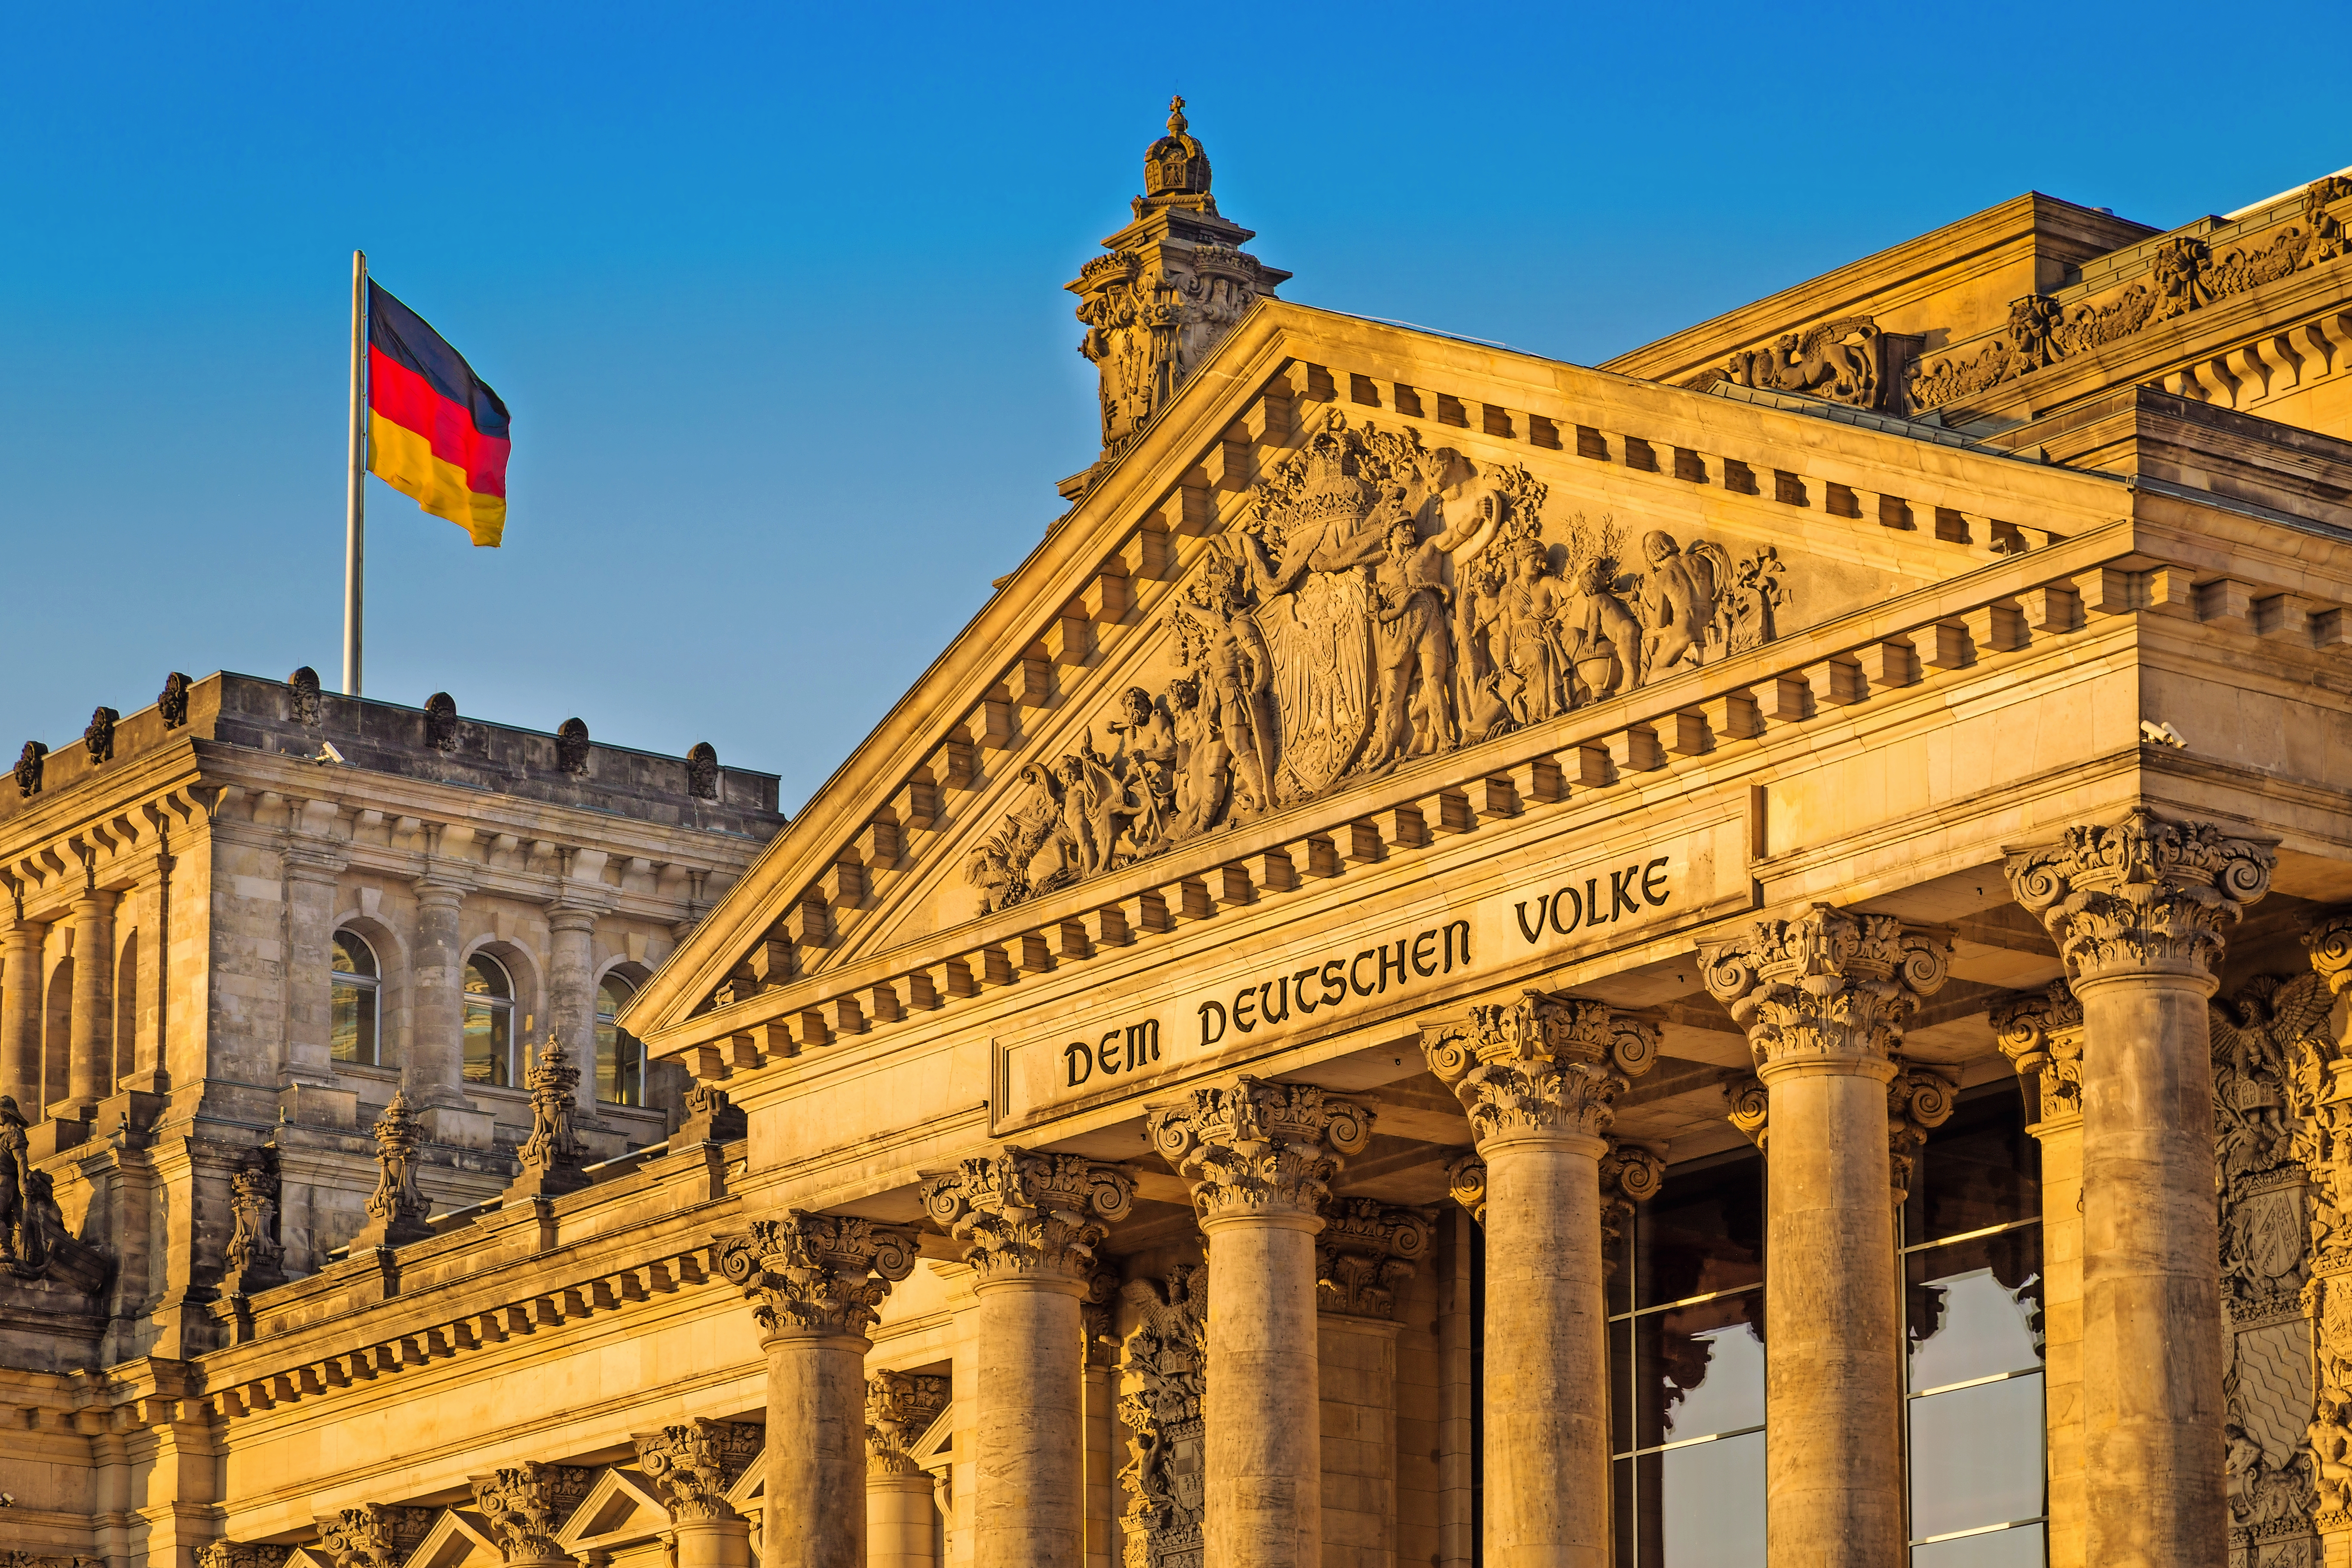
column 1410, row 636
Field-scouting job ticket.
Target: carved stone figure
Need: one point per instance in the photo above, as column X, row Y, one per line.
column 24, row 1247
column 702, row 771
column 1162, row 1382
column 303, row 695
column 29, row 764
column 1843, row 361
column 572, row 746
column 551, row 1156
column 397, row 1209
column 1412, row 641
column 253, row 1253
column 441, row 722
column 1678, row 600
column 173, row 703
column 98, row 739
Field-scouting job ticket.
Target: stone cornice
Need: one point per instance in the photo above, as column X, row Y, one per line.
column 2141, row 896
column 1034, row 1218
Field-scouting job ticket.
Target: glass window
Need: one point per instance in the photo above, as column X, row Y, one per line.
column 489, row 1022
column 1687, row 1371
column 1972, row 1300
column 620, row 1057
column 357, row 984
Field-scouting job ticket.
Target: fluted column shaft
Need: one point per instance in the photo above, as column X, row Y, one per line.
column 1824, row 998
column 815, row 1282
column 1261, row 1157
column 1031, row 1226
column 91, row 1070
column 2138, row 909
column 21, row 984
column 1538, row 1078
column 435, row 1064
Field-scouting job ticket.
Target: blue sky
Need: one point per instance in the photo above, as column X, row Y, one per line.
column 775, row 294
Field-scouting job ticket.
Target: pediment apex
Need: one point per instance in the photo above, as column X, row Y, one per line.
column 1665, row 482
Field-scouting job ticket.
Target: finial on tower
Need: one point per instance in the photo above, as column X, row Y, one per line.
column 1176, row 115
column 1177, row 166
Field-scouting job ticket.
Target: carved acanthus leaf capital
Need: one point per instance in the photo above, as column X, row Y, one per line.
column 1749, row 1106
column 1918, row 1099
column 1465, row 1184
column 2142, row 895
column 1365, row 1252
column 234, row 1554
column 1826, row 987
column 525, row 1505
column 1026, row 1216
column 817, row 1274
column 692, row 1465
column 373, row 1535
column 1259, row 1148
column 2041, row 1033
column 2329, row 942
column 1543, row 1064
column 899, row 1408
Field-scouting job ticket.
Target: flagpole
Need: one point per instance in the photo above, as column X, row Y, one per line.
column 355, row 498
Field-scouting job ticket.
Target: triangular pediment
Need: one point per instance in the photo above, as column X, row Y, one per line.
column 1343, row 549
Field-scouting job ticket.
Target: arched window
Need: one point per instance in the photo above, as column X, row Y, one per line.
column 620, row 1055
column 357, row 982
column 489, row 1022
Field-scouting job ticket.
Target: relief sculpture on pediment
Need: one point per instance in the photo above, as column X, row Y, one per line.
column 1376, row 601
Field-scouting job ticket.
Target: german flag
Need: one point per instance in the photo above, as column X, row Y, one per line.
column 436, row 430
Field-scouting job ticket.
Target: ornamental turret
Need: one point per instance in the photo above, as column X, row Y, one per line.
column 1172, row 285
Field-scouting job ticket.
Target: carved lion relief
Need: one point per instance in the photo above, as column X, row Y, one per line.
column 1378, row 601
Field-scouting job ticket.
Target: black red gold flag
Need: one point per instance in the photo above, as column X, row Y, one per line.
column 436, row 430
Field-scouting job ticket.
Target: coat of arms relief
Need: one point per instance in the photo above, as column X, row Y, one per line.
column 1377, row 601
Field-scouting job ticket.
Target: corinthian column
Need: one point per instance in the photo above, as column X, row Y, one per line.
column 1361, row 1260
column 1824, row 997
column 815, row 1282
column 526, row 1504
column 20, row 1017
column 901, row 1519
column 1031, row 1227
column 2139, row 910
column 2041, row 1035
column 692, row 1466
column 1261, row 1157
column 1538, row 1077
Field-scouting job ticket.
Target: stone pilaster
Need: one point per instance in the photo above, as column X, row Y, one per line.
column 1538, row 1078
column 692, row 1466
column 525, row 1505
column 1364, row 1257
column 1261, row 1157
column 21, row 983
column 1824, row 997
column 1030, row 1225
column 310, row 883
column 901, row 1519
column 815, row 1282
column 435, row 1064
column 2139, row 910
column 571, row 991
column 2041, row 1035
column 90, row 1071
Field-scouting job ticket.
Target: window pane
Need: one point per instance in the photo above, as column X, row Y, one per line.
column 1977, row 1169
column 1700, row 1507
column 352, row 1038
column 484, row 977
column 1702, row 1231
column 1975, row 1308
column 1698, row 1370
column 2017, row 1548
column 353, row 956
column 488, row 1032
column 1975, row 1458
column 1621, row 1387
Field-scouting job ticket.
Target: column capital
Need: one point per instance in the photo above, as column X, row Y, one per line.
column 1365, row 1252
column 899, row 1408
column 693, row 1464
column 1029, row 1217
column 440, row 889
column 526, row 1504
column 815, row 1275
column 307, row 862
column 373, row 1535
column 2041, row 1033
column 568, row 914
column 1919, row 1100
column 1824, row 990
column 238, row 1554
column 2142, row 896
column 1259, row 1150
column 1465, row 1184
column 2329, row 942
column 1545, row 1065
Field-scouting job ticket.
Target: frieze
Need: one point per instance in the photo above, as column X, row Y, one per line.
column 1376, row 601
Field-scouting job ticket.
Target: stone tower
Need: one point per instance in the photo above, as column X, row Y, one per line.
column 1174, row 283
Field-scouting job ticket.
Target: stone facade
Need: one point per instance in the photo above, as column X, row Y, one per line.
column 1222, row 1074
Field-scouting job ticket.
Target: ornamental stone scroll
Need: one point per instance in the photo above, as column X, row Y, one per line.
column 1825, row 984
column 813, row 1273
column 2142, row 895
column 1366, row 1251
column 526, row 1504
column 1544, row 1064
column 1259, row 1148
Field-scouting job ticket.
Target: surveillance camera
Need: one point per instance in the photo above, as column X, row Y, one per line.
column 326, row 753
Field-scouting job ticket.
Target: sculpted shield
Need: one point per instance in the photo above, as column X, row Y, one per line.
column 1320, row 636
